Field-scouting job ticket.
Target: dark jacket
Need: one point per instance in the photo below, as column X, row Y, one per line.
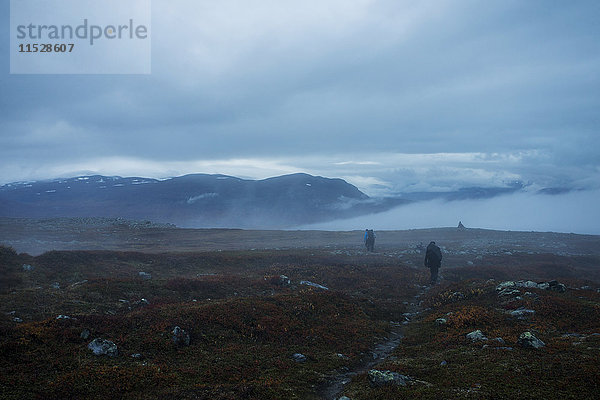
column 433, row 256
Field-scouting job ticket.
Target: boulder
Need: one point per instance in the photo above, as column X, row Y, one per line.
column 312, row 284
column 145, row 275
column 180, row 337
column 505, row 285
column 284, row 280
column 476, row 336
column 299, row 357
column 509, row 292
column 103, row 347
column 556, row 287
column 522, row 313
column 384, row 378
column 527, row 339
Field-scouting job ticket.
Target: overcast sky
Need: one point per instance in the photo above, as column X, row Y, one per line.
column 391, row 95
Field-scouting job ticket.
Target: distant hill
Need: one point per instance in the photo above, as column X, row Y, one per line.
column 197, row 200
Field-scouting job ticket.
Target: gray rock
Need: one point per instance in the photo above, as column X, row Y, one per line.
column 17, row 320
column 55, row 285
column 441, row 321
column 284, row 280
column 102, row 347
column 344, row 398
column 137, row 356
column 384, row 378
column 315, row 285
column 180, row 337
column 505, row 285
column 509, row 292
column 299, row 357
column 63, row 317
column 527, row 339
column 556, row 287
column 476, row 336
column 145, row 275
column 500, row 340
column 443, row 363
column 527, row 284
column 522, row 313
column 28, row 268
column 85, row 334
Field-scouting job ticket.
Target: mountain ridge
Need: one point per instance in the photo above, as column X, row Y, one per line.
column 194, row 200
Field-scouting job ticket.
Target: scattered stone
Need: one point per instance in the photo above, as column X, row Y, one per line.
column 522, row 313
column 102, row 347
column 299, row 357
column 28, row 268
column 457, row 296
column 145, row 275
column 469, row 262
column 63, row 317
column 556, row 287
column 17, row 320
column 505, row 285
column 78, row 283
column 180, row 337
column 527, row 339
column 509, row 292
column 85, row 334
column 443, row 363
column 55, row 285
column 527, row 284
column 137, row 356
column 441, row 321
column 575, row 335
column 476, row 336
column 284, row 280
column 384, row 378
column 316, row 285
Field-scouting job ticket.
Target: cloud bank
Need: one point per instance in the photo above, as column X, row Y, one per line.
column 575, row 212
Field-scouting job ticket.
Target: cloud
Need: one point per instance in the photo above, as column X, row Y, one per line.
column 394, row 96
column 574, row 212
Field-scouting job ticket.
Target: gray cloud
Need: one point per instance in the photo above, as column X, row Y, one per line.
column 480, row 93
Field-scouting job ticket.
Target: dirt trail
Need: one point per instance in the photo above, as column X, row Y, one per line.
column 379, row 353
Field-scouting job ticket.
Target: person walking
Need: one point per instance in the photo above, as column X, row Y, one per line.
column 433, row 261
column 369, row 239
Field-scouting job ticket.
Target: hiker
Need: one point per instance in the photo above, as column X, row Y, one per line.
column 370, row 239
column 433, row 261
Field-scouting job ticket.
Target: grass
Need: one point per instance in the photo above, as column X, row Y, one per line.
column 245, row 325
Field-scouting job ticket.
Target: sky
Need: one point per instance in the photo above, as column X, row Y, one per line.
column 392, row 95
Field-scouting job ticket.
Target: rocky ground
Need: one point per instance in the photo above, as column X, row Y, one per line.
column 298, row 315
column 35, row 236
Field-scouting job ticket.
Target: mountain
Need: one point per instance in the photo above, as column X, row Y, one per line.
column 197, row 200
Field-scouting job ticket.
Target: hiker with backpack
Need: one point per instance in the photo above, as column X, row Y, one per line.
column 433, row 261
column 370, row 239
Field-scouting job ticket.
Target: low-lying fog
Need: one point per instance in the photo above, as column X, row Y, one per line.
column 574, row 212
